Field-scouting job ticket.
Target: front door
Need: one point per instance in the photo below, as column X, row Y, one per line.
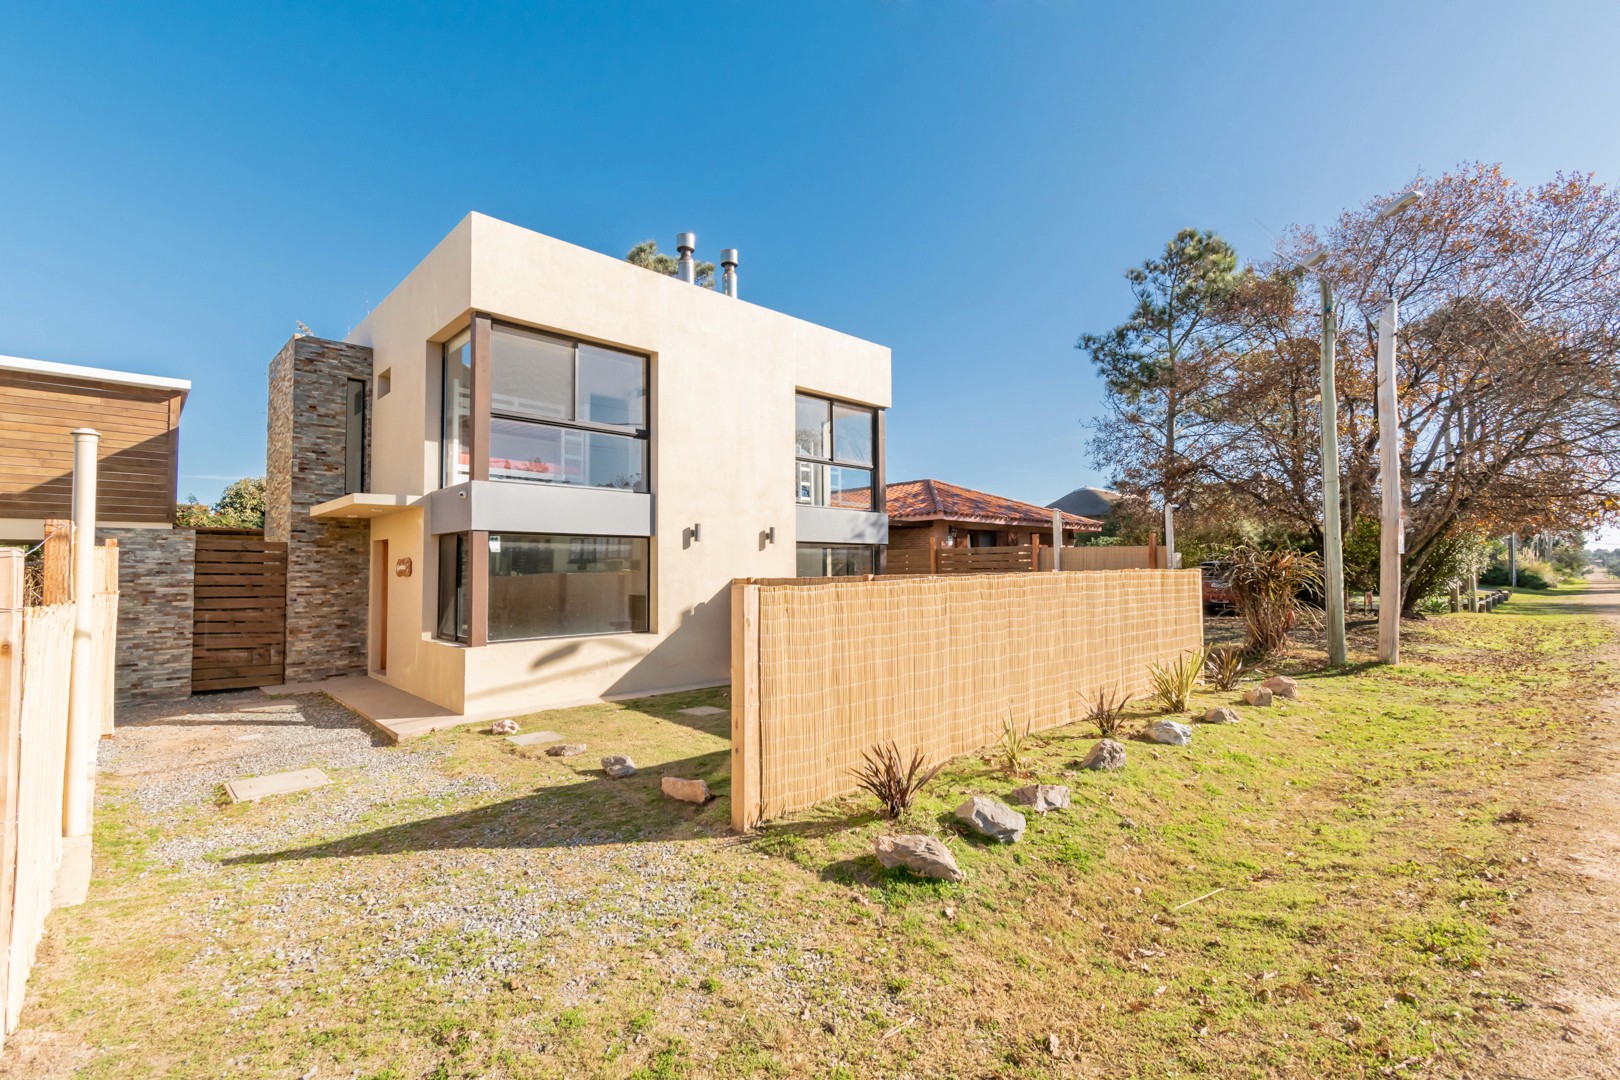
column 379, row 606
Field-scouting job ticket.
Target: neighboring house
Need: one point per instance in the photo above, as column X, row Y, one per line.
column 1091, row 502
column 138, row 418
column 932, row 513
column 528, row 478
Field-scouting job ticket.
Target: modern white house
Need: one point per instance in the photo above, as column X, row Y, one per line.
column 529, row 477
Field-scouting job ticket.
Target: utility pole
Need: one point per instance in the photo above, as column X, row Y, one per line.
column 1170, row 534
column 1392, row 531
column 1332, row 541
column 1392, row 537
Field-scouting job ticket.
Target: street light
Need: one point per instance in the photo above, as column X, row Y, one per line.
column 1392, row 531
column 1332, row 541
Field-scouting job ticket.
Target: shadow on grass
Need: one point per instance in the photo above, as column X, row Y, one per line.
column 234, row 709
column 596, row 811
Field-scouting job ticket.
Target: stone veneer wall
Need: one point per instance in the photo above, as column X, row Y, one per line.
column 328, row 562
column 156, row 569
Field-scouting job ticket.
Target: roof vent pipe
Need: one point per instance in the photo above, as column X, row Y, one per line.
column 728, row 260
column 685, row 268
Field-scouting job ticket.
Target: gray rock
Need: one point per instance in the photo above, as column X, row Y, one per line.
column 1042, row 797
column 1257, row 695
column 1106, row 756
column 1282, row 686
column 692, row 791
column 1168, row 732
column 565, row 749
column 504, row 727
column 618, row 766
column 992, row 818
column 1221, row 714
column 922, row 855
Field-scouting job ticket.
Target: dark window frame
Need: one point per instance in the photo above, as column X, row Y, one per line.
column 446, row 416
column 642, row 434
column 459, row 576
column 581, row 542
column 832, row 460
column 872, row 551
column 356, row 396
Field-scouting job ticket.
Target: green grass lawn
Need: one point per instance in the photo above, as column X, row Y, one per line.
column 1329, row 888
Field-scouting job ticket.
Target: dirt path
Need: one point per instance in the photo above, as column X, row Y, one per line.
column 1576, row 913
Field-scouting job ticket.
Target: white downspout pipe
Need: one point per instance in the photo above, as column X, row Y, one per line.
column 1057, row 540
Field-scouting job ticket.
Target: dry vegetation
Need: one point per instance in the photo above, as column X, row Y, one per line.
column 1358, row 884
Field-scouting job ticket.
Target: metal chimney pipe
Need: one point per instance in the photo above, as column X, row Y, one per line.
column 686, row 269
column 728, row 260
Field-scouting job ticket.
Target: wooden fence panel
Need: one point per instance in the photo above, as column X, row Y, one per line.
column 1102, row 557
column 985, row 560
column 42, row 751
column 936, row 664
column 239, row 631
column 909, row 561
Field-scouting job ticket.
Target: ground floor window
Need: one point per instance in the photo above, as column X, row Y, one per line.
column 827, row 560
column 547, row 585
column 455, row 600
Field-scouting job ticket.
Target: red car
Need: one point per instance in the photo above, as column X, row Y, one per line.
column 1218, row 596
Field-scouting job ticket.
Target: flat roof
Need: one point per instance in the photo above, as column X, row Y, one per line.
column 92, row 374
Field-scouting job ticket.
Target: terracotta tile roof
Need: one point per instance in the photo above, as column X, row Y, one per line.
column 935, row 500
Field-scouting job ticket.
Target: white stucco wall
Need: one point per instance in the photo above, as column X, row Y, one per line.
column 723, row 373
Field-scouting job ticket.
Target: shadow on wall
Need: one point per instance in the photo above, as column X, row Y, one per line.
column 593, row 812
column 697, row 652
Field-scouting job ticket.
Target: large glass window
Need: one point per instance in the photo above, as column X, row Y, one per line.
column 835, row 444
column 824, row 560
column 456, row 434
column 563, row 586
column 455, row 601
column 564, row 412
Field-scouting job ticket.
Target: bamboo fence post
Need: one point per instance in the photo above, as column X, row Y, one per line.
column 57, row 557
column 745, row 734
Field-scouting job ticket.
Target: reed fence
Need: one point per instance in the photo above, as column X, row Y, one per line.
column 36, row 647
column 824, row 670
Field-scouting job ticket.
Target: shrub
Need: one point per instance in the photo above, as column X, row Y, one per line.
column 1106, row 705
column 1533, row 574
column 1265, row 590
column 1225, row 666
column 1014, row 748
column 1173, row 682
column 894, row 783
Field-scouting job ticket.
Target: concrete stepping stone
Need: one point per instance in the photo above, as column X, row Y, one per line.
column 282, row 783
column 702, row 710
column 544, row 738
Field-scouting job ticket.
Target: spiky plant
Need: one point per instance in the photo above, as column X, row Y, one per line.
column 1225, row 666
column 1173, row 681
column 1014, row 747
column 1265, row 591
column 1105, row 707
column 894, row 782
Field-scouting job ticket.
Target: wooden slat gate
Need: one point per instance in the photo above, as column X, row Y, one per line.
column 239, row 629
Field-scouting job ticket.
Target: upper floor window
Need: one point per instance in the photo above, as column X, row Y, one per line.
column 354, row 438
column 561, row 411
column 835, row 453
column 456, row 434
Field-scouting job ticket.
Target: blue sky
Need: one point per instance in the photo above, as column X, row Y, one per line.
column 964, row 183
